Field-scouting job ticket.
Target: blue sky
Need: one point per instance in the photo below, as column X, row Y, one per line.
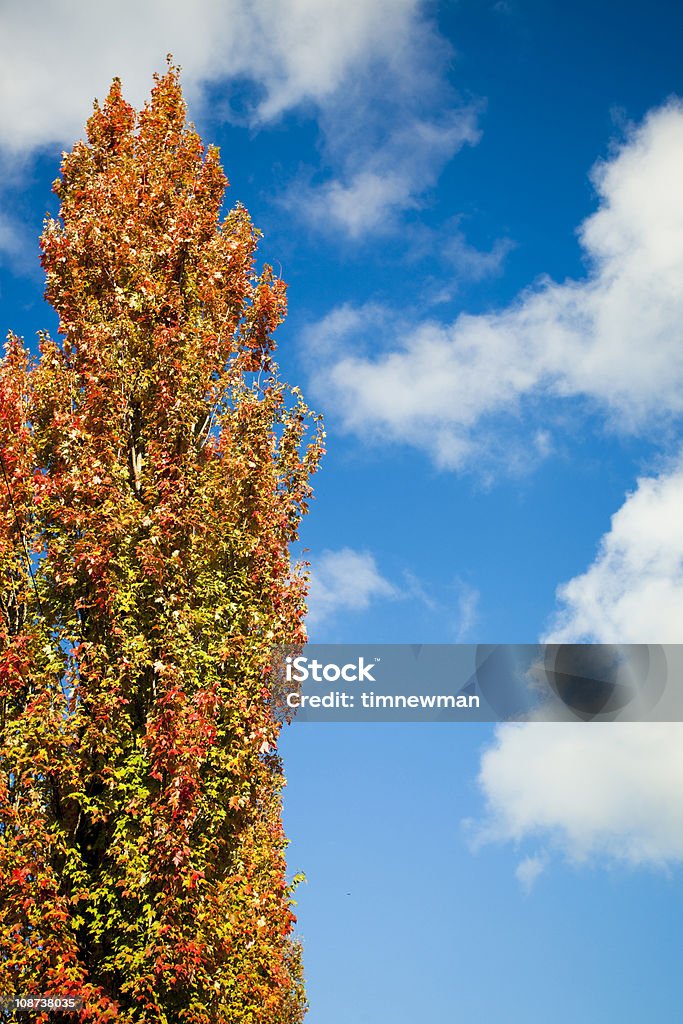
column 477, row 207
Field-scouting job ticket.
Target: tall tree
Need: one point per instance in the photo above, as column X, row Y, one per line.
column 156, row 470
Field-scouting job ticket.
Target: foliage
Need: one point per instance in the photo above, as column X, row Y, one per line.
column 158, row 470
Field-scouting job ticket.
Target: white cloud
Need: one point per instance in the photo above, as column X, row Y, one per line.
column 55, row 57
column 634, row 588
column 373, row 74
column 614, row 338
column 610, row 792
column 596, row 791
column 345, row 580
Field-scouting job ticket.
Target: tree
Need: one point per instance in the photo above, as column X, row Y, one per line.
column 156, row 471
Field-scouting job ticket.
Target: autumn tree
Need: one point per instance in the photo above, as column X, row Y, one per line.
column 155, row 471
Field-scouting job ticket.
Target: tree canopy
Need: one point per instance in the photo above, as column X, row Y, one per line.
column 156, row 469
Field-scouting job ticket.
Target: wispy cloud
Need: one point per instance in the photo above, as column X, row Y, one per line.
column 457, row 617
column 528, row 872
column 345, row 581
column 388, row 131
column 467, row 610
column 10, row 236
column 376, row 179
column 614, row 338
column 461, row 261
